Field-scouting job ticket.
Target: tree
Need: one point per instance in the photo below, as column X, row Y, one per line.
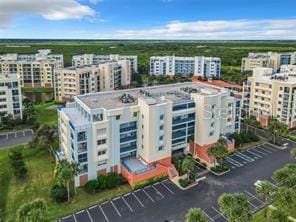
column 45, row 136
column 286, row 176
column 293, row 153
column 278, row 215
column 236, row 207
column 195, row 215
column 32, row 212
column 267, row 192
column 276, row 128
column 188, row 165
column 218, row 151
column 65, row 172
column 286, row 197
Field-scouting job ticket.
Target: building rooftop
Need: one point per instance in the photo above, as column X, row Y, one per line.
column 176, row 93
column 77, row 120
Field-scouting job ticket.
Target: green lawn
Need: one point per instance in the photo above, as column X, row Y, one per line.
column 46, row 113
column 13, row 193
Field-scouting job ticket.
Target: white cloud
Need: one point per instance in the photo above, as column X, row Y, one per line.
column 48, row 9
column 214, row 29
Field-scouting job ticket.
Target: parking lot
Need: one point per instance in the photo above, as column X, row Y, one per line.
column 242, row 158
column 123, row 206
column 171, row 205
column 15, row 138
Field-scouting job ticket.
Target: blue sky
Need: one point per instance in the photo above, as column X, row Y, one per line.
column 148, row 19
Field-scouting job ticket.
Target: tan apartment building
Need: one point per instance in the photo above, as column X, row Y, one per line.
column 34, row 70
column 73, row 81
column 267, row 94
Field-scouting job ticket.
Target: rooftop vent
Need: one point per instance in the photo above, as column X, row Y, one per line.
column 126, row 98
column 189, row 90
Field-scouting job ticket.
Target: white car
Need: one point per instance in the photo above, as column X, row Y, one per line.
column 258, row 183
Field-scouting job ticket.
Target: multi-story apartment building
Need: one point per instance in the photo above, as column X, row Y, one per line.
column 79, row 80
column 197, row 66
column 10, row 95
column 268, row 94
column 269, row 60
column 291, row 69
column 34, row 70
column 92, row 59
column 135, row 131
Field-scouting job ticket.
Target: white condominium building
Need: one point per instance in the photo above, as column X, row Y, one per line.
column 135, row 131
column 267, row 94
column 197, row 66
column 291, row 69
column 34, row 70
column 269, row 59
column 10, row 95
column 92, row 59
column 73, row 81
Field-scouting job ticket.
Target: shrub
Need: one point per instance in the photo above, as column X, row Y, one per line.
column 184, row 182
column 92, row 186
column 59, row 193
column 220, row 168
column 21, row 172
column 16, row 157
column 147, row 182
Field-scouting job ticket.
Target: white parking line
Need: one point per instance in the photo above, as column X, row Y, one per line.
column 256, row 149
column 138, row 199
column 219, row 213
column 244, row 159
column 115, row 208
column 165, row 186
column 66, row 217
column 157, row 191
column 252, row 204
column 270, row 148
column 91, row 219
column 251, row 152
column 124, row 200
column 148, row 196
column 103, row 213
column 265, row 150
column 234, row 162
column 208, row 216
column 92, row 207
column 253, row 196
column 79, row 212
column 74, row 218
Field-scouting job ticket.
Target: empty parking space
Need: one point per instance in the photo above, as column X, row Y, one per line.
column 244, row 157
column 172, row 188
column 263, row 149
column 82, row 216
column 215, row 215
column 123, row 207
column 253, row 154
column 165, row 192
column 133, row 201
column 96, row 214
column 155, row 194
column 110, row 211
column 270, row 147
column 254, row 200
column 144, row 197
column 233, row 162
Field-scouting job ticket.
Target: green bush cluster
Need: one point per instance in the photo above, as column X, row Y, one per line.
column 220, row 168
column 185, row 182
column 103, row 182
column 177, row 160
column 241, row 138
column 18, row 165
column 149, row 181
column 59, row 193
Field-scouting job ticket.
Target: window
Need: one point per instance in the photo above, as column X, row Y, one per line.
column 161, row 138
column 135, row 114
column 102, row 152
column 161, row 117
column 100, row 142
column 117, row 117
column 103, row 162
column 161, row 127
column 160, row 148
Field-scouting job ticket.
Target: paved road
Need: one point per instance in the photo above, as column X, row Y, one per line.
column 164, row 202
column 12, row 139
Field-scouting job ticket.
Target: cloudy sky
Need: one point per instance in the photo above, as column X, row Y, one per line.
column 148, row 19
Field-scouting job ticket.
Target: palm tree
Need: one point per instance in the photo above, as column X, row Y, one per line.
column 75, row 170
column 218, row 151
column 188, row 165
column 33, row 211
column 276, row 128
column 65, row 172
column 195, row 215
column 267, row 192
column 278, row 215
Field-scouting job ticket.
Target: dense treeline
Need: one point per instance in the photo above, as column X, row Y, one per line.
column 230, row 52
